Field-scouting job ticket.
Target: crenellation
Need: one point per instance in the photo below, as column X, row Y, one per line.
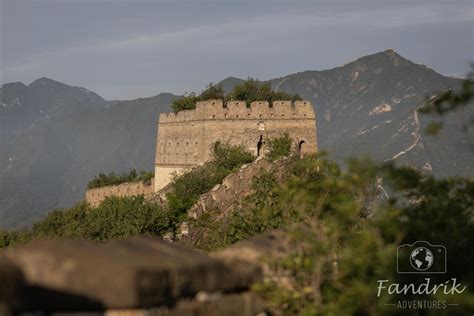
column 259, row 105
column 236, row 105
column 260, row 109
column 281, row 104
column 210, row 106
column 218, row 110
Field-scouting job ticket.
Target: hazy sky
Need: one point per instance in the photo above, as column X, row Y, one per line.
column 130, row 49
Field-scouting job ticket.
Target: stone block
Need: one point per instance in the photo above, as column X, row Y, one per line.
column 131, row 273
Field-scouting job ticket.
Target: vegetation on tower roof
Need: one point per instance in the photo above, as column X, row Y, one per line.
column 249, row 91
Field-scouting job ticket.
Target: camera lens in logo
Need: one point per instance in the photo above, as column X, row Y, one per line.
column 421, row 259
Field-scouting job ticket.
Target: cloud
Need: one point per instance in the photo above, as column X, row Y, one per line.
column 185, row 52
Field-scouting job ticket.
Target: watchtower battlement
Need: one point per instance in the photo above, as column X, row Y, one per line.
column 238, row 110
column 185, row 138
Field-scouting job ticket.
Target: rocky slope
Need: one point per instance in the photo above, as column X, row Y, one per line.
column 54, row 137
column 369, row 106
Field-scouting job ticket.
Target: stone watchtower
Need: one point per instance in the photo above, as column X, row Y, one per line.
column 185, row 138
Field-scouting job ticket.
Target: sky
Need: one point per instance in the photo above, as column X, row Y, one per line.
column 130, row 49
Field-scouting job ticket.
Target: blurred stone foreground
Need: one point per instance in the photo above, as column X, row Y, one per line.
column 136, row 276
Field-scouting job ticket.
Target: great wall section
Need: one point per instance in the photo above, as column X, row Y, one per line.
column 130, row 275
column 96, row 195
column 184, row 139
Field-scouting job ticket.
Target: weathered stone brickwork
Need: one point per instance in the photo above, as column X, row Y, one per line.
column 185, row 138
column 236, row 186
column 97, row 195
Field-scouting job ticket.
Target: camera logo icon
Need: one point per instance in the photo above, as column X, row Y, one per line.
column 421, row 257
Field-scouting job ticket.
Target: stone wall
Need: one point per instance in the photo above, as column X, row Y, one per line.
column 164, row 175
column 133, row 276
column 97, row 195
column 226, row 195
column 185, row 138
column 236, row 186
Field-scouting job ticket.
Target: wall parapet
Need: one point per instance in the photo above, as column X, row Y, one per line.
column 220, row 110
column 95, row 196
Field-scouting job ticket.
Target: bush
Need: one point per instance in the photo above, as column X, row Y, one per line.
column 250, row 90
column 146, row 176
column 115, row 217
column 122, row 217
column 343, row 237
column 113, row 178
column 5, row 238
column 254, row 90
column 212, row 92
column 188, row 101
column 13, row 238
column 230, row 157
column 273, row 204
column 336, row 256
column 249, row 219
column 279, row 147
column 189, row 186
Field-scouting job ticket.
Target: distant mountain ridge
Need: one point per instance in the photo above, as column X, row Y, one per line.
column 54, row 137
column 368, row 107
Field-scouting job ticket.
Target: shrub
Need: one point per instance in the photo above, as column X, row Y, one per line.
column 189, row 186
column 13, row 238
column 188, row 101
column 254, row 90
column 5, row 239
column 230, row 157
column 279, row 146
column 249, row 219
column 146, row 176
column 115, row 217
column 212, row 92
column 122, row 217
column 250, row 90
column 113, row 178
column 343, row 237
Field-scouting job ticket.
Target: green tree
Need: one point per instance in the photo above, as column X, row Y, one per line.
column 122, row 217
column 250, row 90
column 254, row 90
column 212, row 92
column 188, row 101
column 115, row 217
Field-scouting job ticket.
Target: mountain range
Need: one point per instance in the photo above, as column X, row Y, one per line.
column 55, row 137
